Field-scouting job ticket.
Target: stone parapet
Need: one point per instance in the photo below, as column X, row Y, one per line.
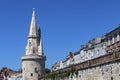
column 29, row 57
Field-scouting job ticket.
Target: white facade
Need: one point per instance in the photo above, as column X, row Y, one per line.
column 77, row 58
column 33, row 63
column 99, row 51
column 56, row 66
column 64, row 63
column 16, row 77
column 82, row 56
column 93, row 49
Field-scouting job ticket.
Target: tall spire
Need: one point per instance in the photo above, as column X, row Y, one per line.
column 33, row 26
column 34, row 46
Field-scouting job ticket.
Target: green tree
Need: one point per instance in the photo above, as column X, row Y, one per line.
column 47, row 70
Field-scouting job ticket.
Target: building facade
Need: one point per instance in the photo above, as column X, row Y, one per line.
column 94, row 48
column 99, row 59
column 113, row 40
column 33, row 62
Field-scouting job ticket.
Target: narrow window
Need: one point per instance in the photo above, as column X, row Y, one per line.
column 31, row 74
column 36, row 70
column 33, row 50
column 111, row 78
column 29, row 43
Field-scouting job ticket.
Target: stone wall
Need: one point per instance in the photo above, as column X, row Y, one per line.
column 105, row 67
column 110, row 71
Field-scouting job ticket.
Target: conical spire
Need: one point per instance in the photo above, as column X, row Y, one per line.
column 33, row 26
column 34, row 46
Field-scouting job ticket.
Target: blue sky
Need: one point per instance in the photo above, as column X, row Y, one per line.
column 65, row 25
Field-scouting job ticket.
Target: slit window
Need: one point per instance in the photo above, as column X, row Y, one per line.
column 31, row 74
column 36, row 70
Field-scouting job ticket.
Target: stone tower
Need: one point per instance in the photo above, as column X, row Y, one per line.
column 33, row 63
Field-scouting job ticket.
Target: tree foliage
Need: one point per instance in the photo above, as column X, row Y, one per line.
column 47, row 71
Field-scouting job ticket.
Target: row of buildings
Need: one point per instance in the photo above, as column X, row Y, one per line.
column 94, row 48
column 16, row 76
column 9, row 74
column 4, row 73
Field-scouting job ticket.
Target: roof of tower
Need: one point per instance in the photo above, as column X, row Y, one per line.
column 33, row 25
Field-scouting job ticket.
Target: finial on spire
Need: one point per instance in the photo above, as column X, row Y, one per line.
column 33, row 9
column 33, row 12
